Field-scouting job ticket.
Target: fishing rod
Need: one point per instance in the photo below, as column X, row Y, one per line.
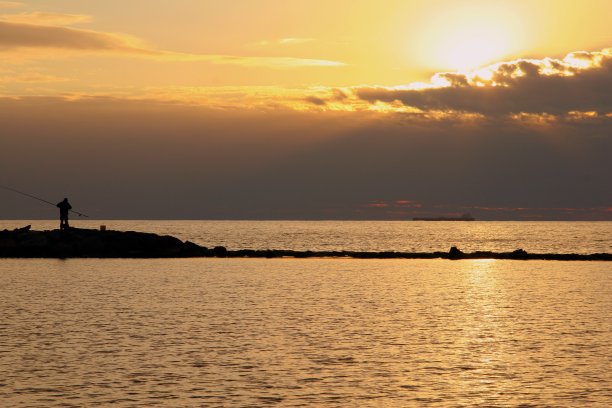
column 39, row 199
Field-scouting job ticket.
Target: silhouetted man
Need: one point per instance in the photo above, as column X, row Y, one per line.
column 65, row 208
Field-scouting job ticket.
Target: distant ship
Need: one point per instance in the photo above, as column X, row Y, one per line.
column 464, row 217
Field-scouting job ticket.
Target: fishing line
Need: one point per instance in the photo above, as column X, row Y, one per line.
column 39, row 199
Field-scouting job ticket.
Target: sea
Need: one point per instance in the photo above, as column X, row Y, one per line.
column 316, row 332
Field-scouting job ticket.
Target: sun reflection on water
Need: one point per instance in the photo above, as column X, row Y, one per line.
column 324, row 332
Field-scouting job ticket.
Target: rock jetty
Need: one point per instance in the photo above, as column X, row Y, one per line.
column 90, row 243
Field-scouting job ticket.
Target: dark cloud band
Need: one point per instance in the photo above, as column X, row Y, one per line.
column 523, row 86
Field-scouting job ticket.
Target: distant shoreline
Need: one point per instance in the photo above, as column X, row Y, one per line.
column 91, row 243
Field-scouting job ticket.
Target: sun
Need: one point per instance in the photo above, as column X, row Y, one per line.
column 472, row 47
column 470, row 35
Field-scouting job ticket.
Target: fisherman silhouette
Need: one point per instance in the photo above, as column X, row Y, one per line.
column 65, row 208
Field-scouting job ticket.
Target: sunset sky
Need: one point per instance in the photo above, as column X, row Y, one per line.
column 270, row 109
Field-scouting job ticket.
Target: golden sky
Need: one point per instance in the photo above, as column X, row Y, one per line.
column 158, row 47
column 309, row 109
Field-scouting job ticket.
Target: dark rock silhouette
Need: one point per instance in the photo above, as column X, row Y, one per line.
column 455, row 253
column 88, row 243
column 219, row 252
column 520, row 254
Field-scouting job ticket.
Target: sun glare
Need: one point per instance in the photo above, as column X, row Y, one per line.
column 469, row 49
column 468, row 37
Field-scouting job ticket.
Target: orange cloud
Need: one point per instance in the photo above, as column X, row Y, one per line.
column 285, row 41
column 30, row 77
column 10, row 4
column 49, row 19
column 18, row 35
column 394, row 204
column 407, row 203
column 42, row 32
column 271, row 62
column 378, row 204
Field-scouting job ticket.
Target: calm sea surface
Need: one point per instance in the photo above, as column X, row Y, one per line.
column 313, row 332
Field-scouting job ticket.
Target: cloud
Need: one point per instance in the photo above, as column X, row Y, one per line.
column 47, row 19
column 15, row 37
column 284, row 41
column 580, row 82
column 30, row 77
column 10, row 4
column 325, row 97
column 401, row 204
column 315, row 100
column 266, row 164
column 270, row 62
column 260, row 98
column 291, row 41
column 19, row 35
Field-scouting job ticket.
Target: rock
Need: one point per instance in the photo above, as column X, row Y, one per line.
column 85, row 243
column 93, row 244
column 193, row 250
column 219, row 252
column 7, row 246
column 34, row 239
column 455, row 253
column 519, row 254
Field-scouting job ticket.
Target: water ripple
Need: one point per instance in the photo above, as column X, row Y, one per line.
column 299, row 333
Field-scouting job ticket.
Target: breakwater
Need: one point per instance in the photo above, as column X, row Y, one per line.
column 91, row 243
